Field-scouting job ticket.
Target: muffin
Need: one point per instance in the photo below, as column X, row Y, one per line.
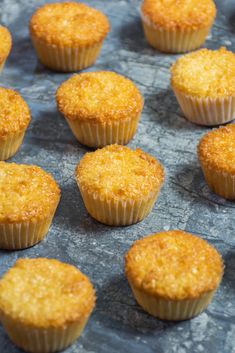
column 173, row 275
column 118, row 185
column 101, row 107
column 216, row 153
column 204, row 85
column 44, row 304
column 68, row 36
column 28, row 200
column 14, row 120
column 5, row 45
column 177, row 26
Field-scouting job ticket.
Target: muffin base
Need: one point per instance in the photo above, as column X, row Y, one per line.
column 174, row 310
column 221, row 183
column 173, row 40
column 10, row 145
column 38, row 340
column 15, row 236
column 206, row 111
column 66, row 59
column 99, row 135
column 118, row 212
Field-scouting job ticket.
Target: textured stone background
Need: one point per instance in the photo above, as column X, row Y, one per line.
column 118, row 324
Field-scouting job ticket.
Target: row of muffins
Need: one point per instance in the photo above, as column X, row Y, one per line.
column 45, row 304
column 172, row 27
column 197, row 268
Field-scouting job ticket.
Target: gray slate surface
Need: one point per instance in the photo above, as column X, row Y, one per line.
column 118, row 325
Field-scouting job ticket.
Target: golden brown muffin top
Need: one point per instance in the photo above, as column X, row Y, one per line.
column 69, row 24
column 14, row 113
column 174, row 265
column 26, row 192
column 217, row 149
column 45, row 293
column 179, row 14
column 99, row 97
column 117, row 172
column 205, row 73
column 5, row 43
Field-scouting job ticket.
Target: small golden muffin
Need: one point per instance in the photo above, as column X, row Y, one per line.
column 14, row 120
column 44, row 304
column 216, row 153
column 101, row 107
column 174, row 274
column 204, row 85
column 118, row 185
column 177, row 26
column 5, row 45
column 28, row 200
column 68, row 36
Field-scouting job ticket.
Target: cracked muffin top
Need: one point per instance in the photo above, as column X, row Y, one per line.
column 217, row 149
column 180, row 14
column 117, row 172
column 26, row 192
column 45, row 293
column 174, row 265
column 205, row 73
column 100, row 96
column 14, row 113
column 69, row 24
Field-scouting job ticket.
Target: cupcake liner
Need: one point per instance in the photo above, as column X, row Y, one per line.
column 223, row 184
column 66, row 59
column 173, row 40
column 175, row 310
column 10, row 145
column 102, row 134
column 116, row 212
column 206, row 111
column 38, row 340
column 22, row 235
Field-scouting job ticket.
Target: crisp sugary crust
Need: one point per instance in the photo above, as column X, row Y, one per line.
column 14, row 113
column 119, row 172
column 45, row 293
column 69, row 24
column 173, row 265
column 26, row 192
column 101, row 96
column 217, row 149
column 205, row 73
column 180, row 14
column 5, row 43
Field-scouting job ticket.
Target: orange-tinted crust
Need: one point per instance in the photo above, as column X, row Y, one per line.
column 101, row 96
column 180, row 14
column 217, row 149
column 173, row 265
column 118, row 172
column 69, row 24
column 45, row 293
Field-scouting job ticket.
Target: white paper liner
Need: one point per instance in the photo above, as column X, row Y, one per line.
column 221, row 183
column 10, row 145
column 173, row 40
column 118, row 212
column 66, row 59
column 22, row 235
column 100, row 135
column 172, row 309
column 206, row 111
column 42, row 340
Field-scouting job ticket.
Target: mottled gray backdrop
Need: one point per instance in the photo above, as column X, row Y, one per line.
column 118, row 325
